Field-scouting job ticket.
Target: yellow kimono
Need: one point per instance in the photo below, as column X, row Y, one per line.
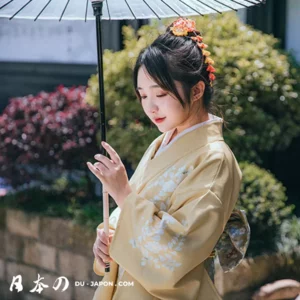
column 180, row 203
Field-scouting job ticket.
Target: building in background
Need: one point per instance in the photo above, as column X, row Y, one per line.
column 40, row 55
column 280, row 18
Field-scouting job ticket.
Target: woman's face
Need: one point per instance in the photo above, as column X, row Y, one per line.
column 157, row 103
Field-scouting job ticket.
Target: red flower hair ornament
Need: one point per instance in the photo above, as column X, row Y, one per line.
column 182, row 27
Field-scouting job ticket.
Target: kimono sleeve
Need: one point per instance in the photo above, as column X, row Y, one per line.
column 159, row 248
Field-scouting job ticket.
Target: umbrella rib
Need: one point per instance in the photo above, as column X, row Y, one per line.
column 6, row 4
column 108, row 10
column 240, row 3
column 86, row 9
column 254, row 3
column 209, row 7
column 171, row 8
column 64, row 10
column 42, row 10
column 226, row 5
column 130, row 9
column 191, row 8
column 251, row 2
column 20, row 9
column 152, row 10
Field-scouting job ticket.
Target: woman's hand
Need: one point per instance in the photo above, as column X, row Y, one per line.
column 101, row 244
column 112, row 173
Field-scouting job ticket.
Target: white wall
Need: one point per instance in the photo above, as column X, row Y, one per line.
column 57, row 42
column 53, row 41
column 293, row 27
column 242, row 14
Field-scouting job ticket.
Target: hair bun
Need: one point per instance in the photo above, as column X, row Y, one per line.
column 184, row 27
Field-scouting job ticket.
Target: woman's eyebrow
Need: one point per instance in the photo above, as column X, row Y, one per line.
column 152, row 86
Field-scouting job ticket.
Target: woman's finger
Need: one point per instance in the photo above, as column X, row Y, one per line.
column 102, row 247
column 99, row 246
column 107, row 163
column 103, row 169
column 94, row 170
column 100, row 262
column 98, row 252
column 103, row 237
column 103, row 256
column 112, row 153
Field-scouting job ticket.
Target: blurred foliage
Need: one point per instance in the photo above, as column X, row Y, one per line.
column 289, row 235
column 66, row 197
column 257, row 88
column 56, row 129
column 263, row 198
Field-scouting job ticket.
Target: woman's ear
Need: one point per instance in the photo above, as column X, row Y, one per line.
column 198, row 91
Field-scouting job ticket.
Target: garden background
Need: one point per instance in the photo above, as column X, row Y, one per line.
column 50, row 202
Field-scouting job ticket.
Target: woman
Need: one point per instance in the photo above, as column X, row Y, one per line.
column 173, row 211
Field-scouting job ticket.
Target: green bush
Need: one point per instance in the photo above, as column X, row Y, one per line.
column 264, row 200
column 257, row 87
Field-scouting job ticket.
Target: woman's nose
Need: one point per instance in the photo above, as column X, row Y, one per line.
column 153, row 107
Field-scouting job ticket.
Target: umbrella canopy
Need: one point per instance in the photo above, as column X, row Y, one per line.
column 116, row 9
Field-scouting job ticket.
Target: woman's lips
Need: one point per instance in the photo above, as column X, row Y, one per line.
column 159, row 120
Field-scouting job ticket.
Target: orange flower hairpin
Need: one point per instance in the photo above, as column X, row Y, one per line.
column 182, row 27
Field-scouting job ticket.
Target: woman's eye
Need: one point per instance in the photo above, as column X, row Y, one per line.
column 158, row 96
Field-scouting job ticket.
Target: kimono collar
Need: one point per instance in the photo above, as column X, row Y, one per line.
column 189, row 142
column 167, row 136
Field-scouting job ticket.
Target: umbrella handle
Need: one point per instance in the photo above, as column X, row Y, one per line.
column 97, row 7
column 106, row 222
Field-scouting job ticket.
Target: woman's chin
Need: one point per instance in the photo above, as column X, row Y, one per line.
column 163, row 129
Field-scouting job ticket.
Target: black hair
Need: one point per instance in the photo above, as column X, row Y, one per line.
column 173, row 58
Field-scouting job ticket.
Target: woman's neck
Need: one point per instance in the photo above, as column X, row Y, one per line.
column 202, row 118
